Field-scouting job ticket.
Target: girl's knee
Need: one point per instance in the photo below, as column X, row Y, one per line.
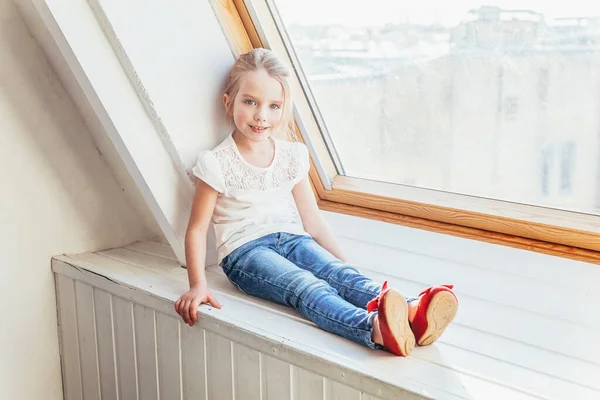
column 340, row 268
column 314, row 289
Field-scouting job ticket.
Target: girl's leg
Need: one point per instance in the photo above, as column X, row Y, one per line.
column 263, row 272
column 351, row 285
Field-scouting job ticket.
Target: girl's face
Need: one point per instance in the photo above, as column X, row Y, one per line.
column 257, row 107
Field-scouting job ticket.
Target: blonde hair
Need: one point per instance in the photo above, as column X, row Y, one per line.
column 255, row 60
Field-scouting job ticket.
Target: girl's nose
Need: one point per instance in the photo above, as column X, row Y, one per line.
column 260, row 115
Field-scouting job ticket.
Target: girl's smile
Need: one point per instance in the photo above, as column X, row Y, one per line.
column 258, row 129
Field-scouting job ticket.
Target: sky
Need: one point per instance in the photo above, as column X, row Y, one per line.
column 449, row 13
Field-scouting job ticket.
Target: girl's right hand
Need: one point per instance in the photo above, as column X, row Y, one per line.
column 187, row 305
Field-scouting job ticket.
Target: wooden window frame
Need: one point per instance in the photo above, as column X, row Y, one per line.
column 517, row 225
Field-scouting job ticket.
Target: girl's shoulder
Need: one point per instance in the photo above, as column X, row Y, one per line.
column 296, row 150
column 207, row 169
column 294, row 159
column 208, row 164
column 220, row 154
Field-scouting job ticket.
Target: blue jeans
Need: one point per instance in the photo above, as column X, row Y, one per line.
column 296, row 271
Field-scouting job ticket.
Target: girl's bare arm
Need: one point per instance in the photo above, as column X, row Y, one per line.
column 313, row 221
column 203, row 206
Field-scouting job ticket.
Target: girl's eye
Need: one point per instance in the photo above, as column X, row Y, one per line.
column 274, row 106
column 250, row 102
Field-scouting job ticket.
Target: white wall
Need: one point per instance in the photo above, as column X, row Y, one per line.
column 152, row 117
column 178, row 58
column 58, row 196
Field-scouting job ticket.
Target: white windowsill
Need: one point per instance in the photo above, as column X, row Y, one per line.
column 526, row 326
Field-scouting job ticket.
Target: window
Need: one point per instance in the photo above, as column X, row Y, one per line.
column 547, row 155
column 511, row 106
column 380, row 75
column 445, row 113
column 566, row 168
column 558, row 179
column 543, row 87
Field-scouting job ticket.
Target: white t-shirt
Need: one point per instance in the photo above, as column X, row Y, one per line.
column 253, row 201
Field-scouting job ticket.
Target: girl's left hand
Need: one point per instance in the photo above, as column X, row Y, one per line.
column 187, row 305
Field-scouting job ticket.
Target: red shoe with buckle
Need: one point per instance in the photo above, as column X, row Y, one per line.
column 392, row 313
column 437, row 308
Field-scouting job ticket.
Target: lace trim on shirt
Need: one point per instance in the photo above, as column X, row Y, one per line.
column 237, row 174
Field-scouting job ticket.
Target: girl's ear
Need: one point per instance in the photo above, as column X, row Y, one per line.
column 226, row 101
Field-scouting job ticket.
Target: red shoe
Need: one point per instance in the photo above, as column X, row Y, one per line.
column 392, row 312
column 437, row 308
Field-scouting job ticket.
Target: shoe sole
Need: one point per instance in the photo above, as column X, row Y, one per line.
column 440, row 312
column 395, row 312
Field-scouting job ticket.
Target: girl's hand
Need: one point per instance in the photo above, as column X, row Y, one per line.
column 187, row 305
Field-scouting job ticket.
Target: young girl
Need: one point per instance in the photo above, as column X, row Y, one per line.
column 272, row 241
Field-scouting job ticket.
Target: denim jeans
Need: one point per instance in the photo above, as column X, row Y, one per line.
column 296, row 271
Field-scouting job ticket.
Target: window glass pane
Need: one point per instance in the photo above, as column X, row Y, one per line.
column 498, row 99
